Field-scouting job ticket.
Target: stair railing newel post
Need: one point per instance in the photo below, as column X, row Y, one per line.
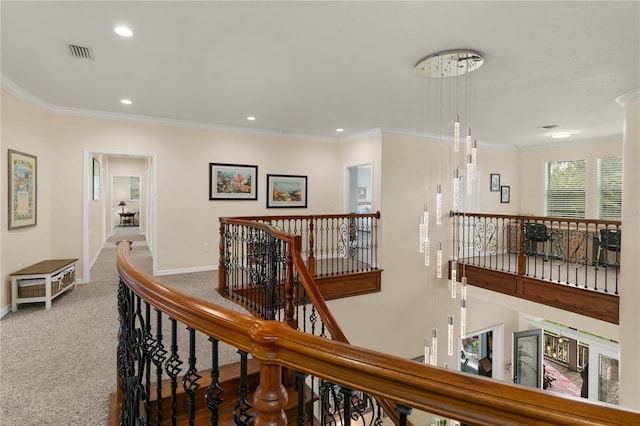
column 271, row 397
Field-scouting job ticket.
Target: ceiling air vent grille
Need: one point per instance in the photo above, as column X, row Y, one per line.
column 80, row 52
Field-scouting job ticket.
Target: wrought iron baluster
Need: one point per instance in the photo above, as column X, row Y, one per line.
column 158, row 356
column 404, row 412
column 124, row 366
column 241, row 408
column 139, row 361
column 301, row 389
column 214, row 391
column 149, row 343
column 191, row 377
column 173, row 369
column 347, row 396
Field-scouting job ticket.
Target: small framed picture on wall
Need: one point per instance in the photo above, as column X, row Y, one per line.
column 495, row 182
column 505, row 194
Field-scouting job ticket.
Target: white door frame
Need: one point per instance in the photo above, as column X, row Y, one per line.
column 152, row 180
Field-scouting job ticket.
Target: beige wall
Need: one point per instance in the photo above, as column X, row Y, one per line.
column 186, row 218
column 26, row 129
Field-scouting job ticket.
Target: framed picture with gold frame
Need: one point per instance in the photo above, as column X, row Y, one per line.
column 23, row 195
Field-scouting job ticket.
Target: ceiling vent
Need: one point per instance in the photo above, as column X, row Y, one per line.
column 80, row 52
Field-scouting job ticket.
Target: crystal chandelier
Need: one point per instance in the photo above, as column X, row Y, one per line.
column 449, row 71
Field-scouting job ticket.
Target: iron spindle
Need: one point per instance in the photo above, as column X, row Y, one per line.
column 191, row 377
column 214, row 391
column 173, row 369
column 158, row 356
column 241, row 408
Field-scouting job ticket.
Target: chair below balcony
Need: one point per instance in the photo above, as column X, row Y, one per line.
column 609, row 240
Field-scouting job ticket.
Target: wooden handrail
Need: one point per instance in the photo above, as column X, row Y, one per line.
column 472, row 399
column 541, row 218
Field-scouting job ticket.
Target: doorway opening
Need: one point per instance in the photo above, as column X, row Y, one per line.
column 359, row 191
column 101, row 206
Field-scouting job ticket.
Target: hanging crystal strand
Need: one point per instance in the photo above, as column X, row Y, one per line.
column 474, row 154
column 450, row 335
column 469, row 143
column 463, row 307
column 456, row 190
column 427, row 355
column 434, row 347
column 424, row 229
column 422, row 235
column 456, row 134
column 463, row 288
column 426, row 251
column 439, row 261
column 439, row 205
column 463, row 318
column 470, row 174
column 454, row 279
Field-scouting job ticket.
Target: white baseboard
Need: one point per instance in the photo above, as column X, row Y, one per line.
column 187, row 270
column 5, row 310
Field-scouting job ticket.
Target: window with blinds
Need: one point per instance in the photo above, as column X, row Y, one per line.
column 566, row 188
column 610, row 187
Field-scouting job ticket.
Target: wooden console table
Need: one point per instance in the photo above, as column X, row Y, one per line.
column 42, row 282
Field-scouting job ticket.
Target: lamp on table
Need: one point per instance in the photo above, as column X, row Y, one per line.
column 122, row 203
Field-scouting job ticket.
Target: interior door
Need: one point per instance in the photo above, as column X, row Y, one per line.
column 527, row 358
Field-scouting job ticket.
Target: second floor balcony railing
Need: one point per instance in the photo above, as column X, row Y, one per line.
column 340, row 251
column 578, row 253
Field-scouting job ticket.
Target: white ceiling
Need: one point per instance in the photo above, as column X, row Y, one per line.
column 307, row 68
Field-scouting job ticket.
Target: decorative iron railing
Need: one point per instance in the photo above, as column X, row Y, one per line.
column 331, row 244
column 171, row 348
column 578, row 252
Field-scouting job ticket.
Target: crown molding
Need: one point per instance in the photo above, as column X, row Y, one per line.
column 11, row 87
column 629, row 96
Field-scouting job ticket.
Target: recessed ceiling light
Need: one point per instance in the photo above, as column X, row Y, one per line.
column 339, row 130
column 251, row 118
column 560, row 135
column 125, row 102
column 123, row 31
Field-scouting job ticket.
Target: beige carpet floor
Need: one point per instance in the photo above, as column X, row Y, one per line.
column 58, row 366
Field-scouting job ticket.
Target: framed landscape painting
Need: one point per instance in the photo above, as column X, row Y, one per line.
column 286, row 191
column 233, row 182
column 23, row 196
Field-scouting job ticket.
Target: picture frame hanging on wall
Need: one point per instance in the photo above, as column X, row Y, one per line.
column 23, row 189
column 505, row 194
column 286, row 191
column 233, row 181
column 495, row 182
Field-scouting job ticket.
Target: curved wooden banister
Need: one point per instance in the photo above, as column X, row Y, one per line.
column 472, row 399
